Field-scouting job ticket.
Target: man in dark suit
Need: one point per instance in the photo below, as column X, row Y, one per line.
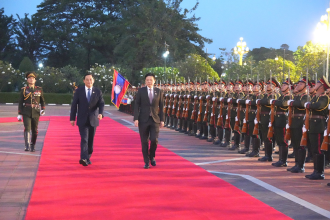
column 148, row 116
column 90, row 110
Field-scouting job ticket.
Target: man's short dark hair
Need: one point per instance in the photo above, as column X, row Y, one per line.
column 87, row 74
column 150, row 74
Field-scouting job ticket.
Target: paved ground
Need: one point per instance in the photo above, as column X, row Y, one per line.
column 293, row 195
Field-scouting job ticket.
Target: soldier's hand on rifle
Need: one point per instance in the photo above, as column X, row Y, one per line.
column 42, row 112
column 237, row 101
column 247, row 102
column 257, row 101
column 306, row 104
column 221, row 99
column 229, row 100
column 19, row 117
column 289, row 102
column 271, row 101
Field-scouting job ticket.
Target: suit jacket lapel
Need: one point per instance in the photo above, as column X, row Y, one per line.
column 92, row 94
column 155, row 95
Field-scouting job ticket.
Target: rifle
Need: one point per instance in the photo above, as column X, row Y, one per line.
column 208, row 100
column 227, row 124
column 325, row 143
column 175, row 100
column 184, row 101
column 170, row 101
column 193, row 113
column 290, row 115
column 270, row 133
column 303, row 141
column 220, row 120
column 256, row 125
column 180, row 100
column 237, row 119
column 244, row 128
column 214, row 106
column 186, row 113
column 166, row 103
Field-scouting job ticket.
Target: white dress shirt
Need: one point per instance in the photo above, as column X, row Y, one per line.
column 86, row 90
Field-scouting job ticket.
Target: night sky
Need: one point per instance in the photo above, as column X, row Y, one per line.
column 262, row 23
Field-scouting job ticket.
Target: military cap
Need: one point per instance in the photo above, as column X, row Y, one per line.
column 239, row 82
column 215, row 83
column 30, row 74
column 274, row 82
column 324, row 82
column 312, row 82
column 304, row 80
column 192, row 83
column 222, row 82
column 260, row 83
column 231, row 82
column 288, row 81
column 249, row 82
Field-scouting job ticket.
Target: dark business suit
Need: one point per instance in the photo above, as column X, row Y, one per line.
column 87, row 119
column 149, row 116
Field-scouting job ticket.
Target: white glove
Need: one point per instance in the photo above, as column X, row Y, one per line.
column 226, row 117
column 304, row 129
column 221, row 99
column 211, row 114
column 257, row 101
column 306, row 104
column 255, row 121
column 213, row 99
column 289, row 102
column 287, row 126
column 270, row 124
column 236, row 119
column 328, row 107
column 244, row 121
column 228, row 100
column 325, row 132
column 19, row 117
column 237, row 101
column 271, row 101
column 247, row 101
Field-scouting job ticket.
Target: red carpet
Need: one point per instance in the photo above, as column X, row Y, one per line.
column 116, row 186
column 14, row 119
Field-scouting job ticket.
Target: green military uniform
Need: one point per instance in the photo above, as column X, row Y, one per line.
column 299, row 111
column 280, row 121
column 31, row 104
column 227, row 98
column 219, row 129
column 318, row 107
column 264, row 120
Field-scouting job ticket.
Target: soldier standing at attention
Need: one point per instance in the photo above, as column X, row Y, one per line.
column 31, row 105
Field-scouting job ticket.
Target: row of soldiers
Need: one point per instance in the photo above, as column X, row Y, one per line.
column 255, row 112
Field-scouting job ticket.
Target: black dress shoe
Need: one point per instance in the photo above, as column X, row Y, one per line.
column 89, row 161
column 280, row 163
column 146, row 166
column 27, row 149
column 83, row 162
column 153, row 162
column 265, row 158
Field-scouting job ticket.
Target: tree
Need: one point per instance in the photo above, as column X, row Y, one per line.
column 26, row 65
column 284, row 47
column 7, row 48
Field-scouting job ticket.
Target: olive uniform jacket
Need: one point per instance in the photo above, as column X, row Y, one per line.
column 31, row 101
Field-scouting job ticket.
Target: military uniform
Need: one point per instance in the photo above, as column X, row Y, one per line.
column 31, row 104
column 318, row 107
column 280, row 120
column 227, row 104
column 219, row 129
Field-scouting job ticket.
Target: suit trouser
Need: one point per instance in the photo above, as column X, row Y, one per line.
column 149, row 131
column 31, row 124
column 87, row 133
column 316, row 140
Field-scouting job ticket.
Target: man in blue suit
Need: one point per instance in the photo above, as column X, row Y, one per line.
column 89, row 102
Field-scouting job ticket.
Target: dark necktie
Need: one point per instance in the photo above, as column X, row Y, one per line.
column 150, row 96
column 89, row 95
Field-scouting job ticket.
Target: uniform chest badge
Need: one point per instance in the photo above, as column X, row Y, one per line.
column 37, row 93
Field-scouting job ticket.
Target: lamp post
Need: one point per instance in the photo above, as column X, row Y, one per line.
column 207, row 54
column 241, row 49
column 325, row 19
column 276, row 59
column 166, row 53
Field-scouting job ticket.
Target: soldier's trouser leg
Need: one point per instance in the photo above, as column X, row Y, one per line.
column 205, row 134
column 255, row 147
column 279, row 133
column 267, row 143
column 300, row 161
column 199, row 129
column 316, row 140
column 246, row 148
column 179, row 124
column 27, row 121
column 237, row 138
column 212, row 133
column 166, row 120
column 175, row 122
column 184, row 125
column 219, row 135
column 34, row 129
column 296, row 134
column 227, row 137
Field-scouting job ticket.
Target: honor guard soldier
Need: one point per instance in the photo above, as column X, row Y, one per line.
column 221, row 112
column 238, row 95
column 298, row 114
column 246, row 110
column 280, row 120
column 31, row 105
column 202, row 132
column 227, row 105
column 265, row 117
column 318, row 108
column 312, row 92
column 252, row 102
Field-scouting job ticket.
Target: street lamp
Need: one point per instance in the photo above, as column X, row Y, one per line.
column 40, row 65
column 166, row 53
column 325, row 19
column 241, row 49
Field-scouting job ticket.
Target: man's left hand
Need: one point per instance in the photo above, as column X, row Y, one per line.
column 161, row 124
column 100, row 117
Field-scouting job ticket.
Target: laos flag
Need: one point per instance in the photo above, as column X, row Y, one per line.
column 119, row 87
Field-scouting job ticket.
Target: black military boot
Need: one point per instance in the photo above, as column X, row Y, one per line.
column 218, row 139
column 27, row 140
column 185, row 126
column 300, row 164
column 33, row 141
column 246, row 145
column 199, row 130
column 255, row 148
column 175, row 123
column 227, row 138
column 205, row 133
column 237, row 138
column 170, row 121
column 189, row 127
column 283, row 156
column 32, row 149
column 268, row 152
column 212, row 133
column 318, row 173
column 179, row 125
column 295, row 160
